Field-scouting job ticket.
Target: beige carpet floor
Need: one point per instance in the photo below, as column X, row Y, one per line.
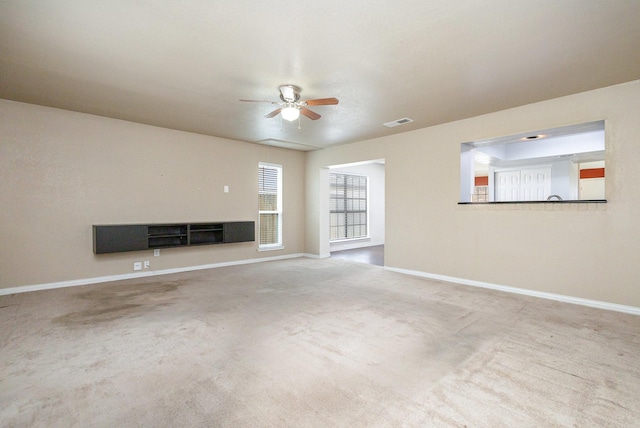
column 311, row 343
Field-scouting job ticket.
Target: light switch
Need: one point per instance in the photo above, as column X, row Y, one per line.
column 226, row 189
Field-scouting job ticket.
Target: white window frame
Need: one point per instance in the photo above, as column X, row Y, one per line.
column 368, row 199
column 276, row 245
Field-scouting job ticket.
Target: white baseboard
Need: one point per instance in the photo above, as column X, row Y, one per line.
column 541, row 294
column 97, row 280
column 351, row 244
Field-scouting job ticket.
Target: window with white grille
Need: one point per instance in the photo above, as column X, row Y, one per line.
column 270, row 205
column 348, row 206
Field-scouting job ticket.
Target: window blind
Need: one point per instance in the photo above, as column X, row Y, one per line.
column 268, row 204
column 348, row 206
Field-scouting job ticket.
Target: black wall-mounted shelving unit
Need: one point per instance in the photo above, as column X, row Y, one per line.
column 115, row 238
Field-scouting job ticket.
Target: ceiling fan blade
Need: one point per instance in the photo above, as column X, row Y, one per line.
column 310, row 114
column 259, row 101
column 322, row 102
column 273, row 113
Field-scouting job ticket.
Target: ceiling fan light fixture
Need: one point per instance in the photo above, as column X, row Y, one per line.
column 290, row 113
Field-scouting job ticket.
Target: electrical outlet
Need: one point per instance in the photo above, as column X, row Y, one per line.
column 156, row 252
column 147, row 265
column 137, row 266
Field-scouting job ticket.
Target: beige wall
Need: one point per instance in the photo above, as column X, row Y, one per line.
column 62, row 172
column 582, row 250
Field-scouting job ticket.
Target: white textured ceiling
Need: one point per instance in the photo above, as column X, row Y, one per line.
column 185, row 64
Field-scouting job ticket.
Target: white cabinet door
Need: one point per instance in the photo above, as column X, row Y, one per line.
column 535, row 184
column 532, row 184
column 592, row 188
column 507, row 185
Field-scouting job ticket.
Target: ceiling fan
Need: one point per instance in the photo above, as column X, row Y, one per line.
column 291, row 107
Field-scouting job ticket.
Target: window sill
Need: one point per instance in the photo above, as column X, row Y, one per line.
column 572, row 201
column 272, row 248
column 340, row 241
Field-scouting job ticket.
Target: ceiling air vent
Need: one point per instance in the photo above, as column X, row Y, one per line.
column 398, row 122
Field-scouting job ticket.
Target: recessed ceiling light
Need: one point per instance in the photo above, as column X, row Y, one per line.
column 533, row 137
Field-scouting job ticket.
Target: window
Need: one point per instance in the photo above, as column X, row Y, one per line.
column 348, row 206
column 560, row 164
column 270, row 206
